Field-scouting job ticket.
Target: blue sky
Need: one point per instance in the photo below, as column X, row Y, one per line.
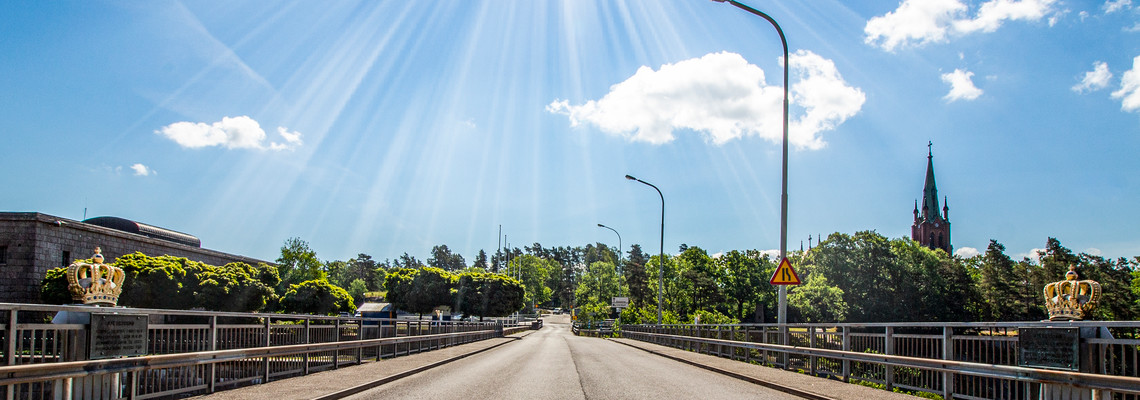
column 385, row 127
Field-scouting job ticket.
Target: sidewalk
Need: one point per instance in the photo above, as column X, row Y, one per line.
column 802, row 385
column 348, row 380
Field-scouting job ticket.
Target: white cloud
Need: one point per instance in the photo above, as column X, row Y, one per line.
column 1129, row 92
column 722, row 97
column 966, row 252
column 961, row 86
column 1133, row 28
column 240, row 132
column 1112, row 6
column 1084, row 15
column 992, row 14
column 1093, row 251
column 292, row 140
column 1096, row 79
column 914, row 21
column 918, row 22
column 772, row 254
column 142, row 170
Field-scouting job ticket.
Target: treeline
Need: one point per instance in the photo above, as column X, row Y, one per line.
column 861, row 277
column 169, row 282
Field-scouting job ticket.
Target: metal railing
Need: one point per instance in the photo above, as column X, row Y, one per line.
column 954, row 360
column 194, row 352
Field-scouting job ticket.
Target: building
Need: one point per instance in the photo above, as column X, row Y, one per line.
column 31, row 243
column 931, row 228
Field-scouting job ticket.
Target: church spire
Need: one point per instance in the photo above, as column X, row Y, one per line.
column 930, row 209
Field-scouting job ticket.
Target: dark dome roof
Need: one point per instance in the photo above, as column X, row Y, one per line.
column 138, row 228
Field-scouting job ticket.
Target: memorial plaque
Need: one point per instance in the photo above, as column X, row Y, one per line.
column 1055, row 348
column 115, row 335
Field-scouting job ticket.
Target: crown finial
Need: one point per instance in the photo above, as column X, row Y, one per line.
column 96, row 283
column 1071, row 299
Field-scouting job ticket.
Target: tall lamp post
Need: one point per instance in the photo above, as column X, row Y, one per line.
column 661, row 259
column 782, row 315
column 619, row 242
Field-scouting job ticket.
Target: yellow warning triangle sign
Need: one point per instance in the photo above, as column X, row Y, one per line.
column 785, row 275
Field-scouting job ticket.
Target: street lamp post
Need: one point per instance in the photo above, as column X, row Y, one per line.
column 619, row 242
column 782, row 315
column 661, row 257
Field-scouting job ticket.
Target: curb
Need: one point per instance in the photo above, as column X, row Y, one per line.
column 365, row 386
column 746, row 378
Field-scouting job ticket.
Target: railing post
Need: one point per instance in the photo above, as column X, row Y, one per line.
column 11, row 352
column 847, row 347
column 747, row 338
column 359, row 337
column 889, row 347
column 947, row 354
column 811, row 345
column 785, row 340
column 305, row 356
column 336, row 338
column 211, row 368
column 265, row 361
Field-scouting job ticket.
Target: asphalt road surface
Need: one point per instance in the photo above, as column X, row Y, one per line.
column 554, row 364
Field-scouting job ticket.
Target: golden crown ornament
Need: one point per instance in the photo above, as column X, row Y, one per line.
column 95, row 284
column 1071, row 299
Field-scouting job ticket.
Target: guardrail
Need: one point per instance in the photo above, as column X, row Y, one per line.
column 194, row 352
column 603, row 328
column 956, row 360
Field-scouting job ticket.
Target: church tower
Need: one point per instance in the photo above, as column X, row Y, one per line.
column 931, row 228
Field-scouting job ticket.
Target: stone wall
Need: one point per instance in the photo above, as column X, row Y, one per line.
column 34, row 243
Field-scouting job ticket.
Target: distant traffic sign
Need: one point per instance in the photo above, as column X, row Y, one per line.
column 785, row 275
column 620, row 302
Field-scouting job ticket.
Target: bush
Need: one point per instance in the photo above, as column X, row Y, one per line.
column 316, row 296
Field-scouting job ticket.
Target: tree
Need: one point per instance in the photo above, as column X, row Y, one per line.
column 533, row 272
column 488, row 295
column 53, row 289
column 817, row 301
column 599, row 285
column 231, row 287
column 746, row 279
column 406, row 261
column 356, row 290
column 420, row 290
column 298, row 263
column 636, row 278
column 154, row 282
column 702, row 279
column 443, row 258
column 481, row 260
column 316, row 297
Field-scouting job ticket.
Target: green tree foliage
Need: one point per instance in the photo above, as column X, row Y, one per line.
column 53, row 289
column 177, row 283
column 599, row 285
column 420, row 290
column 481, row 261
column 746, row 277
column 817, row 301
column 443, row 258
column 701, row 279
column 488, row 295
column 534, row 272
column 636, row 278
column 231, row 287
column 316, row 296
column 356, row 290
column 298, row 263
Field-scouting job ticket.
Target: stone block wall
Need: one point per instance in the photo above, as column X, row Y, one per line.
column 32, row 243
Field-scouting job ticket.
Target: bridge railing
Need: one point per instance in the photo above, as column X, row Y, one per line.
column 193, row 352
column 954, row 360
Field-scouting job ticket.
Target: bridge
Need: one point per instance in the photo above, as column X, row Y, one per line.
column 240, row 355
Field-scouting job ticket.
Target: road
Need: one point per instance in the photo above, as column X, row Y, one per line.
column 552, row 363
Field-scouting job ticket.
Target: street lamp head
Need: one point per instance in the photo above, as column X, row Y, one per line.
column 720, row 1
column 601, row 226
column 630, row 177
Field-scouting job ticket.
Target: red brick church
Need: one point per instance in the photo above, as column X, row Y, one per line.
column 931, row 228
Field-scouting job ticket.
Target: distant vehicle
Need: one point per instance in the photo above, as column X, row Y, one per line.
column 557, row 310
